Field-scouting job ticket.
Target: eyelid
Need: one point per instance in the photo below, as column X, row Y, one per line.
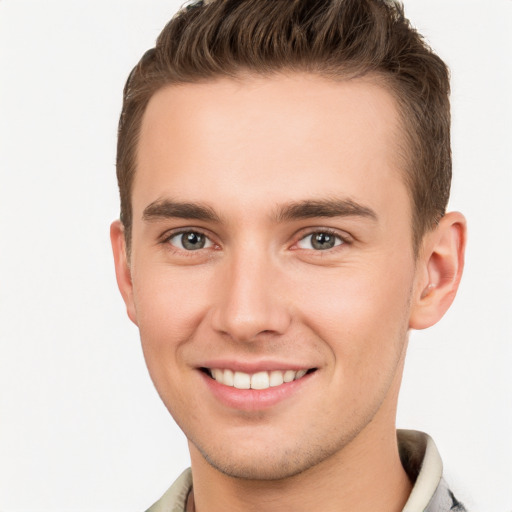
column 345, row 238
column 171, row 233
column 165, row 237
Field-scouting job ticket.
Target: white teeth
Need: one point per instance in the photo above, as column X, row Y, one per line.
column 289, row 375
column 242, row 380
column 229, row 378
column 217, row 374
column 259, row 380
column 276, row 378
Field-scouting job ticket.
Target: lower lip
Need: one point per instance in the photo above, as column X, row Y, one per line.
column 254, row 399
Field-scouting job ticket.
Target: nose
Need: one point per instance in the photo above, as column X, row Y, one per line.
column 250, row 299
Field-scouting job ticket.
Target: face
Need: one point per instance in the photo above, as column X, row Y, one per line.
column 271, row 268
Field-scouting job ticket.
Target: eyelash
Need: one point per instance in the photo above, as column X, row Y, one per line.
column 344, row 240
column 169, row 236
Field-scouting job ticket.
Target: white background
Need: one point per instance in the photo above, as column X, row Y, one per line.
column 81, row 427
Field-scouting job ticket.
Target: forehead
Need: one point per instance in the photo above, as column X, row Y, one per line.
column 291, row 134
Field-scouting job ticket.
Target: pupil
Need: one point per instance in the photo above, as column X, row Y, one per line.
column 192, row 241
column 323, row 241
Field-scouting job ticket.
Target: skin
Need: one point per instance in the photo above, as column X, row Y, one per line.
column 260, row 293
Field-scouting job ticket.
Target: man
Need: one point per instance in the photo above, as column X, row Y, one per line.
column 284, row 168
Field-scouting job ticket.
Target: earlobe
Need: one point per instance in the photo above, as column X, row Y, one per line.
column 123, row 274
column 439, row 271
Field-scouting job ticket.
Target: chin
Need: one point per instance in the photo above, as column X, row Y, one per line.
column 271, row 464
column 264, row 470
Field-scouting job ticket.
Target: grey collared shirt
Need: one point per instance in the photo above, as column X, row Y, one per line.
column 419, row 457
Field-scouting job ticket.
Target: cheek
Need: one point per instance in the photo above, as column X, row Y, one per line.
column 169, row 296
column 359, row 312
column 169, row 306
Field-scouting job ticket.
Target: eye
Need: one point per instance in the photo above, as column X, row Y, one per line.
column 320, row 241
column 190, row 241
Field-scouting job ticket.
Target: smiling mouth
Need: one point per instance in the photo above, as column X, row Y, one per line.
column 258, row 380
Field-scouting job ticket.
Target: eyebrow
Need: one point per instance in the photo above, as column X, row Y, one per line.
column 323, row 208
column 168, row 209
column 306, row 209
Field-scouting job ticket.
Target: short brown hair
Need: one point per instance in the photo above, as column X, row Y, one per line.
column 332, row 38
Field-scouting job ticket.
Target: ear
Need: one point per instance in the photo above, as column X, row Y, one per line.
column 123, row 274
column 439, row 269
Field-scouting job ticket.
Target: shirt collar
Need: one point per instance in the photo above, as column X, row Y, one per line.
column 423, row 464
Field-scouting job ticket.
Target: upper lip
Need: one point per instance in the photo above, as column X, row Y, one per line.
column 254, row 366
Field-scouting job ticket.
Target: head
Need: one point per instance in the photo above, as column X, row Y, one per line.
column 335, row 39
column 284, row 169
